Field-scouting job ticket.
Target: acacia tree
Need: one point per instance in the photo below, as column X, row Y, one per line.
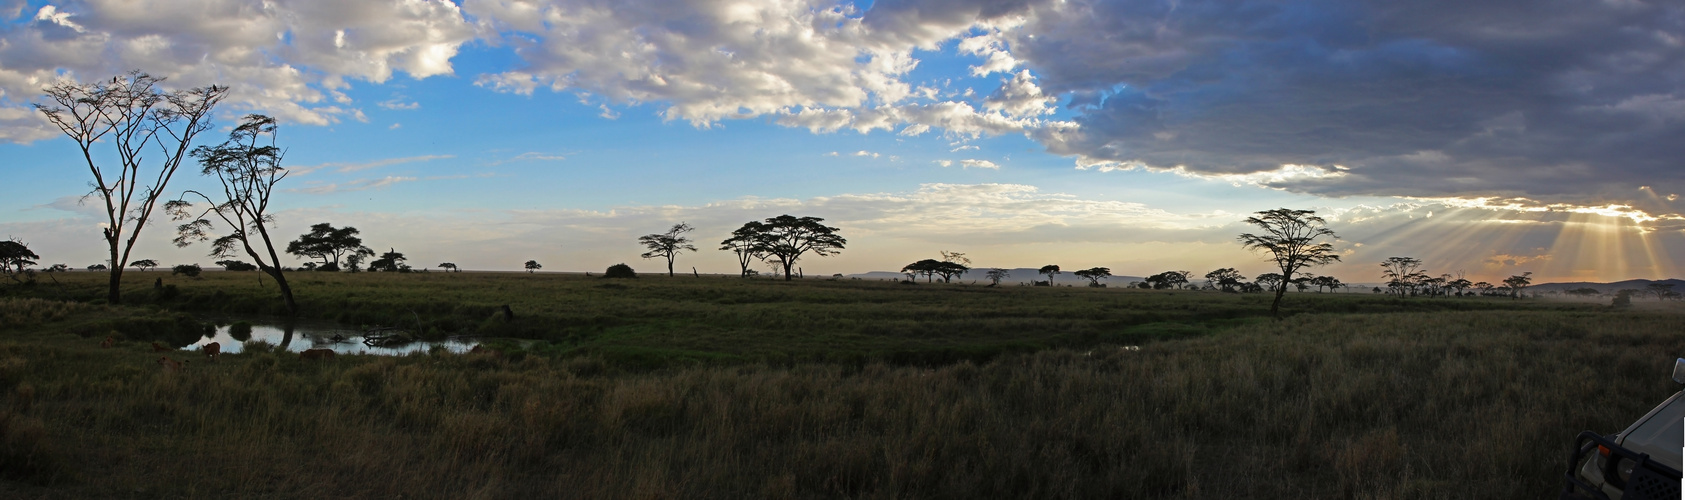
column 668, row 245
column 1290, row 238
column 1094, row 274
column 1403, row 274
column 1050, row 270
column 954, row 264
column 927, row 267
column 450, row 267
column 1168, row 279
column 533, row 265
column 745, row 243
column 1329, row 282
column 16, row 255
column 1268, row 280
column 144, row 264
column 786, row 238
column 330, row 244
column 950, row 270
column 1225, row 279
column 132, row 115
column 997, row 274
column 1517, row 283
column 248, row 165
column 392, row 261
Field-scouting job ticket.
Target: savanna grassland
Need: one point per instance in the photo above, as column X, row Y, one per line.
column 724, row 388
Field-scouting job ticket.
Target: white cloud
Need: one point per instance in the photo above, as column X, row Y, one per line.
column 979, row 164
column 394, row 126
column 399, row 104
column 286, row 59
column 867, row 154
column 356, row 185
column 966, row 147
column 343, row 167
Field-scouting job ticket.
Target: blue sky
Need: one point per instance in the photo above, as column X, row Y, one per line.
column 1128, row 134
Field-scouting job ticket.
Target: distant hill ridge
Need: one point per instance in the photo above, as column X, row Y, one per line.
column 1678, row 285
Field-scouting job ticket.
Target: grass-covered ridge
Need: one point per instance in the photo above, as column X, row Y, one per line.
column 656, row 320
column 1450, row 403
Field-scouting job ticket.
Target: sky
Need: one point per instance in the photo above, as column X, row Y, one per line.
column 1485, row 138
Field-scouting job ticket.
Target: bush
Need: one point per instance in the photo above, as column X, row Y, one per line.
column 620, row 271
column 234, row 265
column 191, row 270
column 240, row 330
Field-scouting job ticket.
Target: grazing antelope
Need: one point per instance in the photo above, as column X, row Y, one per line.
column 170, row 365
column 213, row 350
column 109, row 340
column 157, row 347
column 310, row 354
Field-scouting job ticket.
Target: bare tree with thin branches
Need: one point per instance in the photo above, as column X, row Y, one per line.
column 131, row 114
column 248, row 170
column 668, row 245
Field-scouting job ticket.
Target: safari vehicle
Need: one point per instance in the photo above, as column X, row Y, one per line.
column 1642, row 462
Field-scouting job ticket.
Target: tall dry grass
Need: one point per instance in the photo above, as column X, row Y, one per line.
column 1411, row 405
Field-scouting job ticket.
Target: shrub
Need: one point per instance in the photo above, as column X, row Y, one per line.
column 240, row 331
column 620, row 271
column 234, row 265
column 191, row 270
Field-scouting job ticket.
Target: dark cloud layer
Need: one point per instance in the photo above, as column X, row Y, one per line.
column 1560, row 101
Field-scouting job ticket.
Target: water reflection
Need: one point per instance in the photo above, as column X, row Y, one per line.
column 314, row 335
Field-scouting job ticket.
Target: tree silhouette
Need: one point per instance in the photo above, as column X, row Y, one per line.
column 668, row 245
column 786, row 238
column 950, row 270
column 450, row 267
column 234, row 265
column 391, row 261
column 131, row 115
column 745, row 242
column 1403, row 274
column 1094, row 275
column 954, row 264
column 1050, row 270
column 14, row 256
column 1328, row 282
column 1517, row 283
column 330, row 244
column 248, row 170
column 96, row 267
column 1167, row 279
column 1225, row 279
column 533, row 265
column 997, row 274
column 1290, row 238
column 1268, row 280
column 1660, row 290
column 926, row 268
column 144, row 264
column 1484, row 287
